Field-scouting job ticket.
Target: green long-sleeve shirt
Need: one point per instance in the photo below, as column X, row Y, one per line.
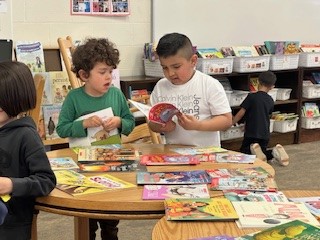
column 79, row 103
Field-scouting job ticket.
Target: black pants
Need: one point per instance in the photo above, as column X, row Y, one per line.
column 109, row 229
column 245, row 147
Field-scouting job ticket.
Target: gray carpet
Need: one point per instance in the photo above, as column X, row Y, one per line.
column 302, row 173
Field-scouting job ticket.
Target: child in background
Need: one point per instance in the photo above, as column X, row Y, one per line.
column 93, row 62
column 25, row 172
column 201, row 99
column 256, row 110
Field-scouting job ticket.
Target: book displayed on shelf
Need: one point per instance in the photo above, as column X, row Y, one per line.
column 238, row 172
column 253, row 84
column 111, row 166
column 309, row 48
column 164, row 159
column 31, row 53
column 312, row 203
column 245, row 51
column 175, row 191
column 251, row 196
column 235, row 158
column 209, row 53
column 160, row 113
column 291, row 47
column 60, row 86
column 198, row 150
column 97, row 135
column 61, row 163
column 295, row 230
column 107, row 153
column 227, row 51
column 267, row 214
column 213, row 209
column 50, row 118
column 183, row 177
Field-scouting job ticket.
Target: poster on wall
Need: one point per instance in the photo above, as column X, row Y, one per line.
column 100, row 7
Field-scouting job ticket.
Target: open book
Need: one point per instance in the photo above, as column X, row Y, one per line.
column 159, row 113
column 97, row 135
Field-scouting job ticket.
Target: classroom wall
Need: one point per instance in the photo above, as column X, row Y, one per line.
column 47, row 20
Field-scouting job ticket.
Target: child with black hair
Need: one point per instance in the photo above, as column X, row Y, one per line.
column 25, row 171
column 256, row 110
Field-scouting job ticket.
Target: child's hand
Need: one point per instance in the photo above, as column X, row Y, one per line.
column 168, row 127
column 188, row 122
column 93, row 121
column 111, row 123
column 5, row 185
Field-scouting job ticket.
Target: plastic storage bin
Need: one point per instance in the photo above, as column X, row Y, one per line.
column 311, row 91
column 271, row 125
column 233, row 132
column 215, row 65
column 309, row 59
column 310, row 122
column 285, row 126
column 283, row 93
column 236, row 97
column 251, row 64
column 284, row 61
column 152, row 69
column 273, row 93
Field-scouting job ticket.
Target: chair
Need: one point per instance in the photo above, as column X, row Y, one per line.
column 39, row 82
column 66, row 48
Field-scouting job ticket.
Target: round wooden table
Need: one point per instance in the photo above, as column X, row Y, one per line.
column 122, row 203
column 164, row 230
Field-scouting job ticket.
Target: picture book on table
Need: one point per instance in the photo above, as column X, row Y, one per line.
column 50, row 118
column 72, row 177
column 97, row 135
column 175, row 191
column 159, row 113
column 198, row 150
column 235, row 158
column 312, row 203
column 183, row 177
column 268, row 214
column 61, row 163
column 106, row 153
column 209, row 53
column 213, row 209
column 244, row 183
column 295, row 230
column 164, row 159
column 76, row 190
column 238, row 172
column 109, row 181
column 60, row 86
column 218, row 237
column 111, row 166
column 251, row 196
column 31, row 53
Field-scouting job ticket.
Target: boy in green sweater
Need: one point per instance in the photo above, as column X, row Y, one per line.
column 93, row 63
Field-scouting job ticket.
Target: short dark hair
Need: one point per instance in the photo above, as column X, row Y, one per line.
column 267, row 79
column 94, row 50
column 172, row 43
column 17, row 88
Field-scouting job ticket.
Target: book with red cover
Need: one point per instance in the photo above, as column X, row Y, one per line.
column 164, row 159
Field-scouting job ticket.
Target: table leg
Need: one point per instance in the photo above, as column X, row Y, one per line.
column 81, row 228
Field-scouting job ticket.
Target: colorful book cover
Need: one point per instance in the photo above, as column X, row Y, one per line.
column 295, row 230
column 60, row 86
column 175, row 191
column 110, row 166
column 63, row 163
column 76, row 190
column 198, row 150
column 184, row 177
column 235, row 158
column 107, row 153
column 109, row 181
column 253, row 84
column 291, row 47
column 213, row 209
column 251, row 196
column 267, row 214
column 97, row 135
column 312, row 203
column 50, row 118
column 209, row 53
column 238, row 172
column 31, row 53
column 164, row 159
column 227, row 51
column 245, row 51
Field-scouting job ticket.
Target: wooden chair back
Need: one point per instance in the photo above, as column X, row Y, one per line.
column 66, row 47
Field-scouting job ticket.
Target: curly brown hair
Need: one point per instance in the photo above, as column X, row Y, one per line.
column 94, row 50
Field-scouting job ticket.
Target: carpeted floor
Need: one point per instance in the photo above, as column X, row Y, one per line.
column 302, row 173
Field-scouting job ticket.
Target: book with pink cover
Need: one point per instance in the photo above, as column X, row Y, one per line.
column 154, row 192
column 159, row 113
column 164, row 159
